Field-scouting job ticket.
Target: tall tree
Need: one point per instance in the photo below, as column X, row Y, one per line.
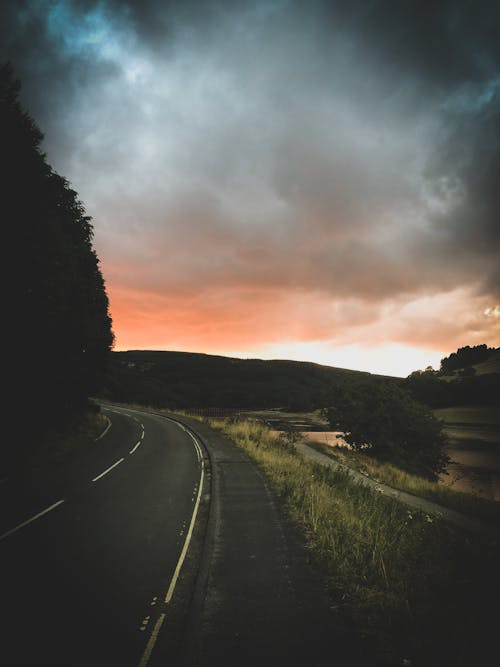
column 58, row 326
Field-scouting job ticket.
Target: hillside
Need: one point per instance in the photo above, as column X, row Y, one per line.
column 191, row 380
column 469, row 361
column 491, row 365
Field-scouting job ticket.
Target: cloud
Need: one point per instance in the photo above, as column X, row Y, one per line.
column 324, row 165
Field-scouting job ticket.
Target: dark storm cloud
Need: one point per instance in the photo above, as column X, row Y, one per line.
column 347, row 150
column 445, row 42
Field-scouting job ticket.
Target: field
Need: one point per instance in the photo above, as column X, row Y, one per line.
column 476, row 415
column 491, row 365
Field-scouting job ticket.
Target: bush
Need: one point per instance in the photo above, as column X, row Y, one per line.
column 388, row 424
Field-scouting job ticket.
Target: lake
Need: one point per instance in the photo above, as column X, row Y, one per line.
column 474, row 454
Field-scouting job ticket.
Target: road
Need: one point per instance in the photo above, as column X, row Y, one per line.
column 88, row 558
column 162, row 545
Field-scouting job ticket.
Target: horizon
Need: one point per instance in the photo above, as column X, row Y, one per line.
column 277, row 179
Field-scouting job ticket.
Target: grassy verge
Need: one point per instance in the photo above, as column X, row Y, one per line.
column 418, row 486
column 417, row 588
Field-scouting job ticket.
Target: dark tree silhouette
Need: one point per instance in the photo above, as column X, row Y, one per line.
column 58, row 327
column 426, row 387
column 385, row 422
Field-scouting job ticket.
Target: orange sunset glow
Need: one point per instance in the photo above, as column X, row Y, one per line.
column 275, row 325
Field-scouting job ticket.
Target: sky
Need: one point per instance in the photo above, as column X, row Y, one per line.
column 316, row 181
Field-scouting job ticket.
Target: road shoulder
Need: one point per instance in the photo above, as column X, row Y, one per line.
column 258, row 597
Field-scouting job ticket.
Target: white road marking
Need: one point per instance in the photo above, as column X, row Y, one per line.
column 199, row 454
column 107, row 470
column 152, row 641
column 135, row 446
column 140, row 439
column 105, row 430
column 173, row 583
column 31, row 519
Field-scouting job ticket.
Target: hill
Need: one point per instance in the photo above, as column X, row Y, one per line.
column 192, row 380
column 468, row 361
column 490, row 365
column 464, row 379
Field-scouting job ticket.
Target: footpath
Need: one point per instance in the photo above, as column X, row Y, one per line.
column 258, row 599
column 472, row 524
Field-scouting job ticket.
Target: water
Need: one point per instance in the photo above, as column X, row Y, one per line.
column 475, row 469
column 474, row 453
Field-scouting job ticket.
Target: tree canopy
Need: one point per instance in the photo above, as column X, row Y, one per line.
column 385, row 422
column 59, row 331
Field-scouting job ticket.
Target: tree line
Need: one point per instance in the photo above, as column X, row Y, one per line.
column 456, row 381
column 59, row 330
column 465, row 357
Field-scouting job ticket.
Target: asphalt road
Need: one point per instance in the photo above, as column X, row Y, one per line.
column 88, row 557
column 162, row 545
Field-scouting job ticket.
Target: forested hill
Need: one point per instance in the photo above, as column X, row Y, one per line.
column 190, row 380
column 469, row 376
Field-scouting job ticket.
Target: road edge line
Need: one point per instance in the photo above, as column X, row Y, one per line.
column 187, row 541
column 153, row 638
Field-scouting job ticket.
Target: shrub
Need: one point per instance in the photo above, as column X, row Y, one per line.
column 388, row 424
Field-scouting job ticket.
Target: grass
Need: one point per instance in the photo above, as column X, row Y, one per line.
column 417, row 588
column 418, row 486
column 491, row 365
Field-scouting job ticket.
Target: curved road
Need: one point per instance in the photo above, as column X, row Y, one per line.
column 88, row 557
column 161, row 545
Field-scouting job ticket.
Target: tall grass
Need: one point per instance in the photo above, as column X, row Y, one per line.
column 405, row 481
column 417, row 588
